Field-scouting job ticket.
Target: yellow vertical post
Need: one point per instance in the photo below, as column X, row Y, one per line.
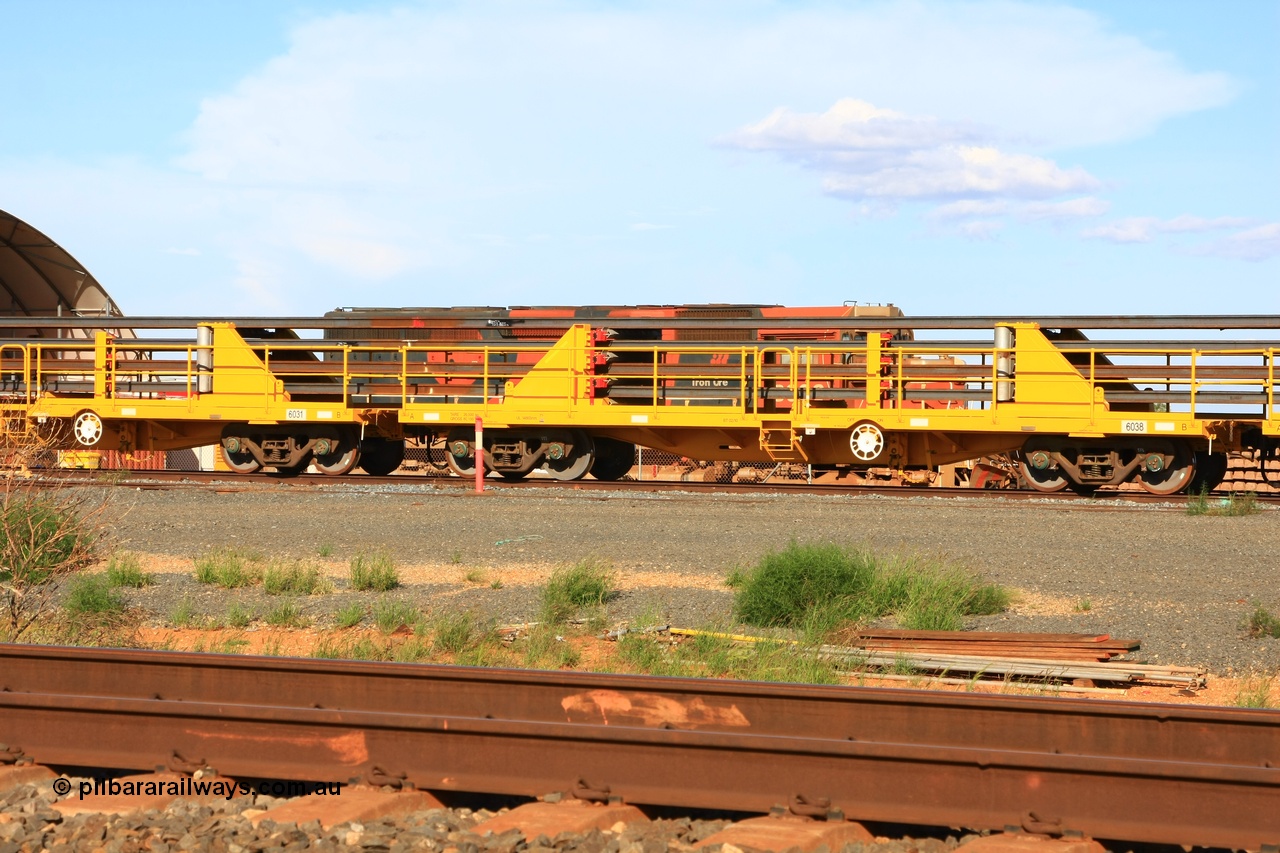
column 1271, row 383
column 484, row 393
column 1093, row 386
column 873, row 370
column 1194, row 384
column 654, row 378
column 404, row 375
column 100, row 364
column 801, row 402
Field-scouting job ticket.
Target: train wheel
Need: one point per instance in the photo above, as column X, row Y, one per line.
column 1211, row 470
column 464, row 467
column 575, row 465
column 1041, row 474
column 1174, row 478
column 613, row 459
column 337, row 464
column 381, row 456
column 460, row 441
column 438, row 454
column 242, row 462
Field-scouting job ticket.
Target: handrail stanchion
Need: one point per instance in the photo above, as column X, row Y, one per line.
column 1193, row 387
column 655, row 377
column 479, row 455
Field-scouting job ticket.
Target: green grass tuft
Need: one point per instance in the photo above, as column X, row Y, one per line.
column 390, row 615
column 228, row 568
column 230, row 646
column 1233, row 505
column 126, row 570
column 239, row 616
column 816, row 587
column 286, row 615
column 452, row 633
column 351, row 615
column 412, row 650
column 1254, row 692
column 1262, row 623
column 93, row 595
column 487, row 652
column 587, row 583
column 376, row 572
column 292, row 578
column 184, row 615
column 361, row 648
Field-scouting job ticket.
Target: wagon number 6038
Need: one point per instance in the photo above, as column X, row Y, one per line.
column 1133, row 426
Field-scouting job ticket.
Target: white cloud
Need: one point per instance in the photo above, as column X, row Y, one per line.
column 1058, row 211
column 866, row 153
column 1145, row 229
column 1255, row 244
column 849, row 126
column 983, row 218
column 958, row 172
column 1187, row 223
column 1133, row 229
column 968, row 208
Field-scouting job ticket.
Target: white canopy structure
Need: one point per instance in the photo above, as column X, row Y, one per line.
column 38, row 278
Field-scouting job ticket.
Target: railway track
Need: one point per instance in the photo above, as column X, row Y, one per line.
column 1123, row 771
column 222, row 481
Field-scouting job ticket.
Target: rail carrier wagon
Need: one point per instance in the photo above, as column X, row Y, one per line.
column 1157, row 400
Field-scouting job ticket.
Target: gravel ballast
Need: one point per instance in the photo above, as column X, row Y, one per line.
column 28, row 822
column 1183, row 585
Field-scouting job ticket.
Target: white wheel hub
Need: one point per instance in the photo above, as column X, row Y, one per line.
column 866, row 441
column 87, row 428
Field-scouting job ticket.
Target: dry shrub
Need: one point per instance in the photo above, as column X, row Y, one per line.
column 47, row 530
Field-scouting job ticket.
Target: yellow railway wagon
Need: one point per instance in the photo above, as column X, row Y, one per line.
column 1080, row 413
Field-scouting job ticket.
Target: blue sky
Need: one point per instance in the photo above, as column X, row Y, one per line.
column 280, row 157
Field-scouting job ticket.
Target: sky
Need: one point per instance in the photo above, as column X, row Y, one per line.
column 287, row 157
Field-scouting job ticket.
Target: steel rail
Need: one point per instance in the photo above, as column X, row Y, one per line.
column 1104, row 500
column 1221, row 322
column 1107, row 770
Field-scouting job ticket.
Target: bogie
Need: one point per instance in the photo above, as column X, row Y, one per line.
column 1159, row 466
column 248, row 448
